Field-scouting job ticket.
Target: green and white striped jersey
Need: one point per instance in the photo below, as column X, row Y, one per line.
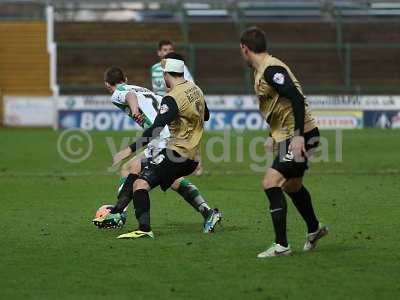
column 149, row 104
column 157, row 79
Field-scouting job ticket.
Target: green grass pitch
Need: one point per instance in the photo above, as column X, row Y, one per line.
column 50, row 250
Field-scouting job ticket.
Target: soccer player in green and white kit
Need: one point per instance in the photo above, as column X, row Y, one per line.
column 142, row 105
column 157, row 79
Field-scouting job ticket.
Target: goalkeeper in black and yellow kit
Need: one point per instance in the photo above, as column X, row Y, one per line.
column 295, row 135
column 183, row 110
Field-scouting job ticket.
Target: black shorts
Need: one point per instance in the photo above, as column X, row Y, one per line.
column 284, row 162
column 166, row 167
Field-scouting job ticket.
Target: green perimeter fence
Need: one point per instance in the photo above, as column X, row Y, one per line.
column 348, row 76
column 344, row 54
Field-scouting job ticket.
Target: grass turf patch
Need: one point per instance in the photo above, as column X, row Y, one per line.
column 51, row 250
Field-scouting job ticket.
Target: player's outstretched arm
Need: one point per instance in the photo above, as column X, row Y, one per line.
column 133, row 103
column 168, row 112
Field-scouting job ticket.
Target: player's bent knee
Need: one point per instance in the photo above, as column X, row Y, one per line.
column 135, row 167
column 267, row 183
column 273, row 179
column 290, row 189
column 293, row 185
column 141, row 184
column 176, row 184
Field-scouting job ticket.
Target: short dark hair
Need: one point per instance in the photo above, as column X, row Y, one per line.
column 162, row 43
column 254, row 38
column 114, row 75
column 175, row 74
column 174, row 55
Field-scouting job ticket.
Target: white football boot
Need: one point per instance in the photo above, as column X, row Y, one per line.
column 275, row 250
column 312, row 238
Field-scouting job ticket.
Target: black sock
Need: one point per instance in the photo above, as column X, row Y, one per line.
column 125, row 195
column 278, row 210
column 302, row 200
column 191, row 194
column 141, row 202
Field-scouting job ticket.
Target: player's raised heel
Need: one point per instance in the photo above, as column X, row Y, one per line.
column 136, row 234
column 212, row 220
column 275, row 250
column 312, row 238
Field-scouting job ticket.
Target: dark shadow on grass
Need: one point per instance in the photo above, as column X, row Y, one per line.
column 194, row 227
column 183, row 227
column 330, row 249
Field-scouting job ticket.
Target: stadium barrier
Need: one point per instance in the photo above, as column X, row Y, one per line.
column 350, row 46
column 21, row 111
column 328, row 68
column 227, row 112
column 239, row 112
